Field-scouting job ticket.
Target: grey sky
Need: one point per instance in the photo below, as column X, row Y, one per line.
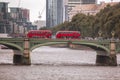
column 35, row 6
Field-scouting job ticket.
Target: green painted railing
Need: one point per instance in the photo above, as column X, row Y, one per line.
column 34, row 43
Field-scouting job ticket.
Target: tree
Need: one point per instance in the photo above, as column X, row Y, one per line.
column 83, row 23
column 108, row 20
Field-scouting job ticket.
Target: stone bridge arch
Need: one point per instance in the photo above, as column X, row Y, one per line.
column 47, row 44
column 103, row 57
column 17, row 52
column 94, row 46
column 12, row 46
column 103, row 53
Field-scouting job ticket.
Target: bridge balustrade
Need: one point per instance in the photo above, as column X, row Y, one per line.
column 102, row 47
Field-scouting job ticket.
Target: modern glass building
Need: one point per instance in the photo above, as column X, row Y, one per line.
column 54, row 12
column 4, row 24
column 4, row 9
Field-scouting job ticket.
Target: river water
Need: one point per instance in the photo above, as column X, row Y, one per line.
column 49, row 63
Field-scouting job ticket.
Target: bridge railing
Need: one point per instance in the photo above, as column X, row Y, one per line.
column 11, row 39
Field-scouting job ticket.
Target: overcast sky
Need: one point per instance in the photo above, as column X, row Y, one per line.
column 35, row 6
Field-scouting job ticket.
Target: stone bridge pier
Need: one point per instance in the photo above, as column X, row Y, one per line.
column 107, row 59
column 103, row 58
column 113, row 57
column 22, row 58
column 26, row 52
column 17, row 57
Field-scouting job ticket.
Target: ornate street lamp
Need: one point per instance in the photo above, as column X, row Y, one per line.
column 100, row 33
column 113, row 34
column 25, row 34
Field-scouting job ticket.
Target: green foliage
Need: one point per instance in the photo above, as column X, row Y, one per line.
column 79, row 22
column 106, row 21
column 83, row 23
column 43, row 28
column 63, row 26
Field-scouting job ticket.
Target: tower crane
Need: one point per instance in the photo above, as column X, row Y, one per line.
column 19, row 3
column 40, row 13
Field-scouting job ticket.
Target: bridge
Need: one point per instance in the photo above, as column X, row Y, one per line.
column 106, row 49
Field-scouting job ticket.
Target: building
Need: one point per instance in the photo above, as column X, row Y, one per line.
column 25, row 14
column 57, row 11
column 54, row 12
column 30, row 26
column 19, row 14
column 89, row 9
column 4, row 24
column 40, row 23
column 88, row 1
column 65, row 10
column 15, row 22
column 73, row 3
column 70, row 4
column 20, row 19
column 4, row 10
column 16, row 17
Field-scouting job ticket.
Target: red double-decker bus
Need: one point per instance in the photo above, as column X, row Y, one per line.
column 39, row 34
column 68, row 35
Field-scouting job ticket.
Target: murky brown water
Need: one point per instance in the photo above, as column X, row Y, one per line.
column 58, row 64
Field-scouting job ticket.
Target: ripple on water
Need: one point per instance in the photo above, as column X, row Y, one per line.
column 59, row 64
column 57, row 56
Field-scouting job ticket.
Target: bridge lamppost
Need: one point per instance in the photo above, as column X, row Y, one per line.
column 113, row 34
column 26, row 34
column 100, row 34
column 113, row 50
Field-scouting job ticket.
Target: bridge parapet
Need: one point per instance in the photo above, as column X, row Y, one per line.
column 13, row 42
column 26, row 45
column 34, row 41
